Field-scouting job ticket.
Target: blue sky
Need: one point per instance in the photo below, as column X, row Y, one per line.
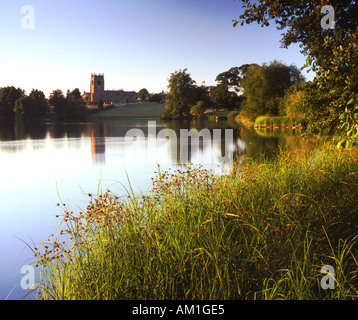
column 135, row 43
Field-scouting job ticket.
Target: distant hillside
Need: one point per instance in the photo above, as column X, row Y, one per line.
column 137, row 110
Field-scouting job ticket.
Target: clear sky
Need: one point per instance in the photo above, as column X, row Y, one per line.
column 135, row 43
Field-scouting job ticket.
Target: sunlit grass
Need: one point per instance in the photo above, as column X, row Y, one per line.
column 261, row 232
column 281, row 122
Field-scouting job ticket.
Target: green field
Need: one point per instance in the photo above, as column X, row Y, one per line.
column 138, row 110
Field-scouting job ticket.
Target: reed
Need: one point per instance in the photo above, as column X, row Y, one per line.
column 262, row 231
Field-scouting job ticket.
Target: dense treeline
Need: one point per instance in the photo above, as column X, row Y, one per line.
column 329, row 103
column 257, row 90
column 16, row 105
column 326, row 105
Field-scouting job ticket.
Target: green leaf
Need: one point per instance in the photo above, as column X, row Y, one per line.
column 342, row 116
column 350, row 143
column 349, row 102
column 340, row 143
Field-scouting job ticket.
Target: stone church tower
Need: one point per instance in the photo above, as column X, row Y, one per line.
column 97, row 87
column 108, row 96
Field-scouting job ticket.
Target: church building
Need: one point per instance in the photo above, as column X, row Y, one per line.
column 108, row 96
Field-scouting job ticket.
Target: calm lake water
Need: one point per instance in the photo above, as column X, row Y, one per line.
column 44, row 164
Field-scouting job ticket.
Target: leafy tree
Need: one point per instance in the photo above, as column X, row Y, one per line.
column 34, row 106
column 155, row 98
column 198, row 109
column 233, row 77
column 54, row 96
column 76, row 93
column 181, row 94
column 349, row 124
column 292, row 105
column 331, row 53
column 265, row 86
column 201, row 93
column 8, row 97
column 230, row 78
column 70, row 108
column 223, row 98
column 100, row 104
column 143, row 94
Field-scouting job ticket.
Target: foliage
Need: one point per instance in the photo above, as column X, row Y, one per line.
column 180, row 96
column 55, row 94
column 332, row 54
column 198, row 109
column 155, row 98
column 143, row 94
column 232, row 115
column 223, row 98
column 8, row 97
column 292, row 102
column 183, row 94
column 265, row 86
column 100, row 104
column 301, row 22
column 281, row 122
column 76, row 93
column 262, row 231
column 233, row 77
column 34, row 106
column 70, row 108
column 230, row 78
column 349, row 121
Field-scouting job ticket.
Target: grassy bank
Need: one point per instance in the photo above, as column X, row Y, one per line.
column 131, row 111
column 261, row 232
column 277, row 122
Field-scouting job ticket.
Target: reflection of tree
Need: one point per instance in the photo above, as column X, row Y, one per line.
column 198, row 140
column 19, row 131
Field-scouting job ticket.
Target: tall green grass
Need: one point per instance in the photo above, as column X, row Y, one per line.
column 277, row 122
column 263, row 231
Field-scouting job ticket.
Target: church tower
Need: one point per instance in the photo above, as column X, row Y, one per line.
column 97, row 87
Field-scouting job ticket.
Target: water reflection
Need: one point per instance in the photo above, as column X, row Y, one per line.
column 176, row 142
column 39, row 162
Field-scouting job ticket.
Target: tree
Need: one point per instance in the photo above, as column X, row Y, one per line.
column 181, row 95
column 224, row 99
column 301, row 20
column 331, row 53
column 143, row 94
column 8, row 97
column 230, row 78
column 155, row 98
column 70, row 108
column 76, row 93
column 198, row 109
column 233, row 77
column 54, row 96
column 31, row 107
column 292, row 102
column 265, row 86
column 100, row 104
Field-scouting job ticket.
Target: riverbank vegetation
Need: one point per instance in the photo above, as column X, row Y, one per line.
column 263, row 231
